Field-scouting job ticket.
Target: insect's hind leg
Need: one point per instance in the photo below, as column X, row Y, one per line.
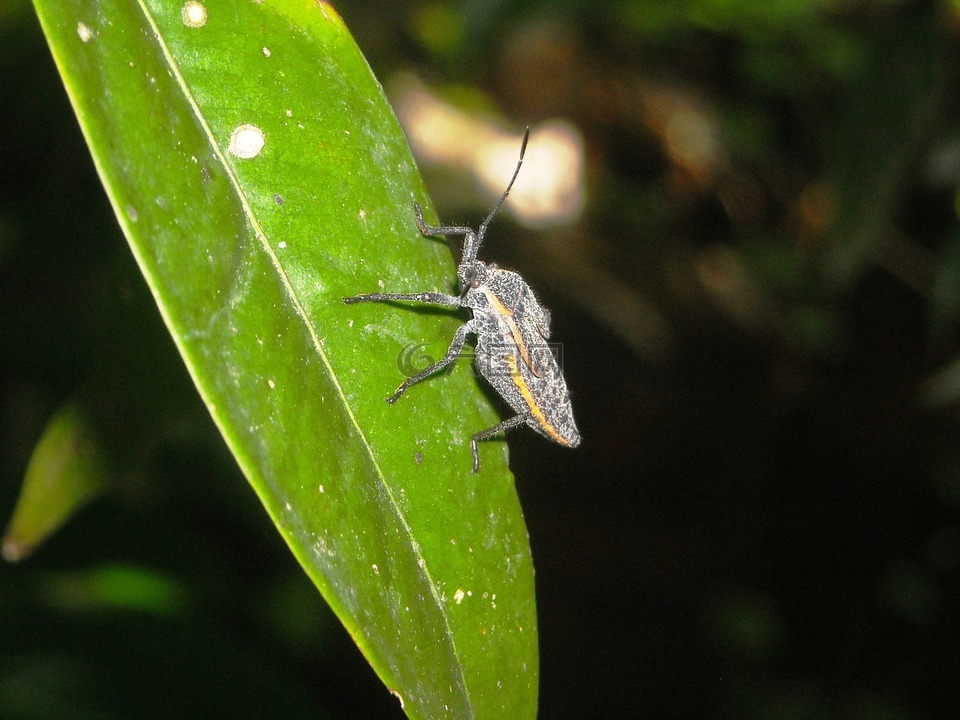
column 453, row 352
column 430, row 298
column 489, row 433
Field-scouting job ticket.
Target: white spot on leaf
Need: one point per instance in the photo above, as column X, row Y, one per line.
column 85, row 33
column 194, row 14
column 246, row 141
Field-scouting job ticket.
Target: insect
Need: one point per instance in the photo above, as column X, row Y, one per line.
column 511, row 328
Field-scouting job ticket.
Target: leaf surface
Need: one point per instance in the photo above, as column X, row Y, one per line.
column 260, row 176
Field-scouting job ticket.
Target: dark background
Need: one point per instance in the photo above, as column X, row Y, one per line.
column 763, row 519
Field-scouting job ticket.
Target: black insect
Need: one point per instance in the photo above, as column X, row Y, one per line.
column 511, row 329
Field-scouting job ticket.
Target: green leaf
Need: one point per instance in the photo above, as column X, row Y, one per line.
column 249, row 251
column 67, row 469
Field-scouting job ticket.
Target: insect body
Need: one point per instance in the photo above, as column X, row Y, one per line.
column 511, row 328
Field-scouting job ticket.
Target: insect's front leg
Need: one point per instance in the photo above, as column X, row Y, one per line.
column 430, row 298
column 428, row 230
column 456, row 346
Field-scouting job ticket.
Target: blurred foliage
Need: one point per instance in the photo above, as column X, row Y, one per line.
column 761, row 332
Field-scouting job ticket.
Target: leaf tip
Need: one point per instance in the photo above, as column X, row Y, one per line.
column 14, row 549
column 329, row 13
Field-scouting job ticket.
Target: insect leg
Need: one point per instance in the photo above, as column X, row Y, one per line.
column 456, row 346
column 427, row 230
column 431, row 298
column 489, row 433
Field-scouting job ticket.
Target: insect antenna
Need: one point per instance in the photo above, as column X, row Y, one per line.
column 523, row 148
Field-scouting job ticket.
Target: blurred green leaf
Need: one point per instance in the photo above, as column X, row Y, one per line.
column 260, row 177
column 67, row 469
column 874, row 135
column 114, row 586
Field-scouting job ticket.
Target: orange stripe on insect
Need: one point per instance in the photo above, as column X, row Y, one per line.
column 507, row 317
column 528, row 398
